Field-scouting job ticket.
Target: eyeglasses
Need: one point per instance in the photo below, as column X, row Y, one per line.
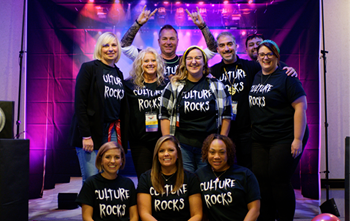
column 269, row 55
column 197, row 58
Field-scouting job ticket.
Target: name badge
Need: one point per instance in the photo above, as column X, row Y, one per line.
column 234, row 109
column 151, row 122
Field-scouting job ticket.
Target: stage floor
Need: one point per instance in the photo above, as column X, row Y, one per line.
column 46, row 208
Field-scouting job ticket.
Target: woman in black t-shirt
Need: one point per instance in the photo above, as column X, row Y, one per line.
column 167, row 192
column 279, row 132
column 143, row 90
column 100, row 104
column 107, row 195
column 229, row 192
column 194, row 106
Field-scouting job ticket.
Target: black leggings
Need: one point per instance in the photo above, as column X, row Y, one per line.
column 272, row 166
column 142, row 156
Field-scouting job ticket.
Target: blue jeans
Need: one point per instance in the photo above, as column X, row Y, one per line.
column 87, row 159
column 192, row 157
column 87, row 163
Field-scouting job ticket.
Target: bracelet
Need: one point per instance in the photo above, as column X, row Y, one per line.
column 138, row 22
column 203, row 27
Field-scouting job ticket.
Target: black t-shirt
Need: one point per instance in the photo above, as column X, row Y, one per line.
column 171, row 65
column 227, row 199
column 170, row 206
column 110, row 199
column 197, row 113
column 241, row 75
column 142, row 100
column 271, row 111
column 113, row 93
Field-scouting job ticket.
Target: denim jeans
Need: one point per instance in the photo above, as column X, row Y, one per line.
column 87, row 159
column 87, row 163
column 192, row 157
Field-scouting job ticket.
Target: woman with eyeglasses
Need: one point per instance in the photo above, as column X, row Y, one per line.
column 279, row 132
column 194, row 106
column 229, row 191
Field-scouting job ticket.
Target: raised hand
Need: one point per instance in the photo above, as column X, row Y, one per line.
column 145, row 15
column 196, row 18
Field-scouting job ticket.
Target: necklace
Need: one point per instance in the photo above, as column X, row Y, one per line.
column 231, row 89
column 261, row 78
column 166, row 180
column 218, row 177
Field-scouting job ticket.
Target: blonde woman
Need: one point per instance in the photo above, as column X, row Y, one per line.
column 100, row 104
column 143, row 90
column 167, row 191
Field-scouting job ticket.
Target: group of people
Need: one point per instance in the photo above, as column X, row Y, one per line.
column 218, row 143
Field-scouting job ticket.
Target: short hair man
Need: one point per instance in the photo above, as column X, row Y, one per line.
column 237, row 75
column 168, row 39
column 251, row 44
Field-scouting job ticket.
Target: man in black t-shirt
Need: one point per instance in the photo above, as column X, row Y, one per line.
column 168, row 40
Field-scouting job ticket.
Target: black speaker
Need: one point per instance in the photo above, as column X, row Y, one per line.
column 6, row 119
column 14, row 179
column 67, row 200
column 330, row 207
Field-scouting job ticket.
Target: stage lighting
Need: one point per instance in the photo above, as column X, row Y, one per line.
column 161, row 16
column 180, row 16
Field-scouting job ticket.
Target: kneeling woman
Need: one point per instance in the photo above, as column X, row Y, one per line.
column 107, row 195
column 167, row 192
column 229, row 191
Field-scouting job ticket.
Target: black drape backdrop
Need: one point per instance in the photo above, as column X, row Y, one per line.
column 62, row 34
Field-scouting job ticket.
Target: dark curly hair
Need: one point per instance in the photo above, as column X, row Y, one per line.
column 230, row 147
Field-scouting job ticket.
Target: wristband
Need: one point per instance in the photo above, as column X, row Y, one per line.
column 138, row 22
column 203, row 27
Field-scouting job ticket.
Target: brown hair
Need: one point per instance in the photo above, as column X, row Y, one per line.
column 272, row 48
column 104, row 148
column 156, row 177
column 230, row 147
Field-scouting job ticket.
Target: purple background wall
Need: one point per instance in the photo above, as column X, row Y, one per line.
column 62, row 35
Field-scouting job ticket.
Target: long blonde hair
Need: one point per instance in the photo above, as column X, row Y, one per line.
column 137, row 71
column 181, row 71
column 156, row 177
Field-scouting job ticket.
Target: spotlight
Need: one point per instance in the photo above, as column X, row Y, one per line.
column 225, row 2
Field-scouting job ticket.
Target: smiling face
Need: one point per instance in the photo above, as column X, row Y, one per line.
column 111, row 162
column 194, row 64
column 109, row 52
column 149, row 64
column 167, row 155
column 267, row 60
column 217, row 156
column 168, row 43
column 252, row 46
column 227, row 49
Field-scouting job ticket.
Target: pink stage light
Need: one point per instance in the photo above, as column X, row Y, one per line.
column 177, row 3
column 200, row 3
column 225, row 2
column 244, row 33
column 165, row 3
column 92, row 1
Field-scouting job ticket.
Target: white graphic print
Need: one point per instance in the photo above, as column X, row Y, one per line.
column 224, row 198
column 152, row 100
column 259, row 100
column 175, row 204
column 200, row 100
column 236, row 79
column 110, row 91
column 111, row 195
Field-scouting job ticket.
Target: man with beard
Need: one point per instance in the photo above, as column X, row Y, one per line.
column 168, row 40
column 251, row 45
column 237, row 75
